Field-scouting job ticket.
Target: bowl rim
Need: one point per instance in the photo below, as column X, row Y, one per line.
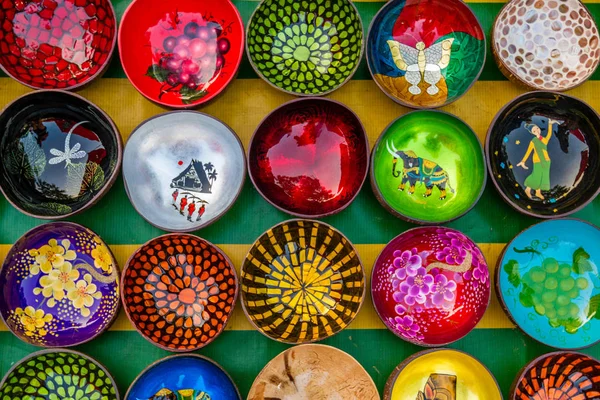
column 335, row 230
column 108, row 183
column 321, row 93
column 162, row 238
column 255, row 137
column 226, row 209
column 38, row 353
column 117, row 282
column 415, row 342
column 384, row 9
column 521, row 374
column 198, row 357
column 513, row 102
column 205, row 99
column 389, row 384
column 91, row 78
column 379, row 195
column 499, row 292
column 509, row 72
column 319, row 346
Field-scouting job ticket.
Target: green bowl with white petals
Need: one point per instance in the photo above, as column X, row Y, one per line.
column 305, row 47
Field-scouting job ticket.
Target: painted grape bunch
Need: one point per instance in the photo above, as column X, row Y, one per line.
column 304, row 47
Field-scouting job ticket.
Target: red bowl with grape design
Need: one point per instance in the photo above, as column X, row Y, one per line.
column 431, row 286
column 181, row 53
column 56, row 44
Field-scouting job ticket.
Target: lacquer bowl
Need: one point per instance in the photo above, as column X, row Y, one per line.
column 560, row 375
column 183, row 170
column 543, row 171
column 181, row 53
column 428, row 167
column 61, row 286
column 430, row 286
column 321, row 275
column 441, row 374
column 313, row 371
column 56, row 44
column 58, row 374
column 548, row 283
column 305, row 48
column 179, row 291
column 309, row 157
column 425, row 53
column 60, row 154
column 547, row 46
column 196, row 377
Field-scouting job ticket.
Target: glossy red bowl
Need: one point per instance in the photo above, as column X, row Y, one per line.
column 181, row 53
column 56, row 44
column 309, row 157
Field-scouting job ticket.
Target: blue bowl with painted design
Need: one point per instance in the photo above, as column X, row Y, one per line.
column 548, row 283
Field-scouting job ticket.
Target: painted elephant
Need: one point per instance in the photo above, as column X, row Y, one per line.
column 416, row 169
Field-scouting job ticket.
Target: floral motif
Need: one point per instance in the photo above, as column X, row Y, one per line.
column 407, row 327
column 416, row 286
column 51, row 255
column 454, row 238
column 103, row 258
column 443, row 292
column 33, row 321
column 83, row 294
column 452, row 255
column 59, row 280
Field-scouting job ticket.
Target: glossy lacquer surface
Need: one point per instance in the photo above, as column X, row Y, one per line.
column 431, row 286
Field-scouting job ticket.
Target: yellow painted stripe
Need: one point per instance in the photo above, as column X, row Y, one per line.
column 367, row 317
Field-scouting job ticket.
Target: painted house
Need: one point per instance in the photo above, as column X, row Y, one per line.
column 193, row 178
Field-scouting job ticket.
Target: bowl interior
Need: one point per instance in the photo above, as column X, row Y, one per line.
column 183, row 170
column 302, row 281
column 179, row 291
column 64, row 286
column 56, row 44
column 60, row 153
column 443, row 33
column 540, row 171
column 305, row 48
column 428, row 167
column 181, row 53
column 309, row 157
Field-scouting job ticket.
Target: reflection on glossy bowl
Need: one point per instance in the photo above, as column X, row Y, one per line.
column 181, row 53
column 309, row 157
column 61, row 154
column 188, row 289
column 548, row 283
column 542, row 151
column 57, row 44
column 428, row 167
column 61, row 286
column 302, row 281
column 183, row 170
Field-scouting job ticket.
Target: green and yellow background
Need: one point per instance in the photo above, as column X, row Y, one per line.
column 241, row 350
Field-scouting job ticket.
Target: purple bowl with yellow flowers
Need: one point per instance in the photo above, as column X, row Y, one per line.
column 60, row 286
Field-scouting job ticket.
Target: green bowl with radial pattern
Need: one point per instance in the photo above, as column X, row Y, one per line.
column 306, row 48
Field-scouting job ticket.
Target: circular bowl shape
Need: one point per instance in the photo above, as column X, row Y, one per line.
column 308, row 48
column 425, row 53
column 548, row 283
column 56, row 44
column 543, row 172
column 323, row 276
column 196, row 377
column 441, row 374
column 181, row 53
column 428, row 167
column 183, row 170
column 547, row 46
column 179, row 291
column 560, row 375
column 62, row 286
column 430, row 286
column 54, row 374
column 61, row 154
column 309, row 157
column 313, row 371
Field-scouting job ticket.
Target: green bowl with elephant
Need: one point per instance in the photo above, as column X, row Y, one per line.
column 428, row 167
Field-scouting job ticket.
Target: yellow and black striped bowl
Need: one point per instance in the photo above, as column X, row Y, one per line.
column 302, row 281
